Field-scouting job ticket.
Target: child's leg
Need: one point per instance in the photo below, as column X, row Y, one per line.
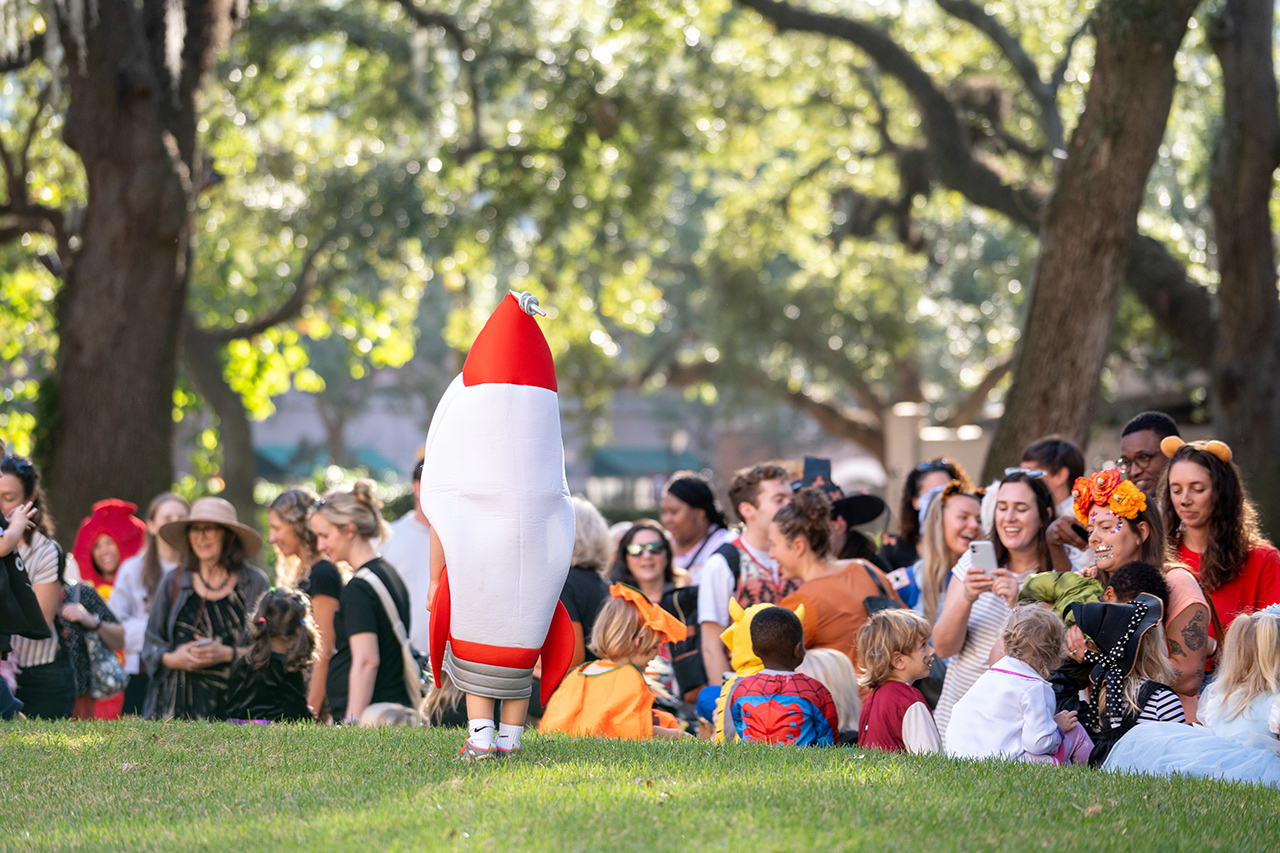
column 513, row 716
column 480, row 728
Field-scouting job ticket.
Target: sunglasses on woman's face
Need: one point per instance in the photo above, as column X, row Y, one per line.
column 635, row 549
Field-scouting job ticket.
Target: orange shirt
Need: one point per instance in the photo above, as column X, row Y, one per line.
column 833, row 607
column 614, row 703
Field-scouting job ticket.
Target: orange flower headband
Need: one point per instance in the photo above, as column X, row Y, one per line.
column 1107, row 489
column 654, row 617
column 1171, row 443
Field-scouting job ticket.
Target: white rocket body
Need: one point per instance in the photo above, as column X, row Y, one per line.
column 497, row 497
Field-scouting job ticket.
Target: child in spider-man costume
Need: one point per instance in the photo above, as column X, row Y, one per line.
column 779, row 705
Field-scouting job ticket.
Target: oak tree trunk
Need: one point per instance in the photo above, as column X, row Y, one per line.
column 203, row 364
column 1090, row 224
column 121, row 304
column 1246, row 407
column 108, row 407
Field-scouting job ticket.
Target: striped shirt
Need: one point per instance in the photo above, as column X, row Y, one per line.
column 41, row 560
column 1164, row 706
column 986, row 620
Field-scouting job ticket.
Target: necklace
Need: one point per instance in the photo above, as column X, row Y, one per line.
column 210, row 588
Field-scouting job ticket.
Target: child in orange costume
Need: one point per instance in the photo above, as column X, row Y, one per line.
column 609, row 697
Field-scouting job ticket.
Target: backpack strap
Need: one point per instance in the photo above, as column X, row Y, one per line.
column 731, row 556
column 874, row 578
column 412, row 673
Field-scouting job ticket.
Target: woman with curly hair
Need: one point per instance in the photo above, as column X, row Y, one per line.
column 1213, row 526
column 299, row 565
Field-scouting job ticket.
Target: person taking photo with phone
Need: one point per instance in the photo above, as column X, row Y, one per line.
column 992, row 572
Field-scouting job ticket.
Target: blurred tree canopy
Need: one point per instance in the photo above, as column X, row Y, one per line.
column 835, row 206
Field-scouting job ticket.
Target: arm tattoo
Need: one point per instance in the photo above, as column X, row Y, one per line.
column 1175, row 650
column 1194, row 633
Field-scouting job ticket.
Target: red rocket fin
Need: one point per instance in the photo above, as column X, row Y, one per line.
column 439, row 624
column 557, row 652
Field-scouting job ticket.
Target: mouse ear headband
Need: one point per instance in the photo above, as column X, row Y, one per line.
column 1172, row 443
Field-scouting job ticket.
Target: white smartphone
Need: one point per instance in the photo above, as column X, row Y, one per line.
column 983, row 555
column 202, row 642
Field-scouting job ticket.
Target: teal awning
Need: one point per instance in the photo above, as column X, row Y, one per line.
column 641, row 462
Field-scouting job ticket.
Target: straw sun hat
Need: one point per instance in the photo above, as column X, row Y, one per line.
column 212, row 511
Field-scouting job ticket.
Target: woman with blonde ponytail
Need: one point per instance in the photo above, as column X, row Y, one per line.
column 368, row 663
column 833, row 593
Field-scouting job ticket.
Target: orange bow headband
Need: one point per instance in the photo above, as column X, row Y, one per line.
column 1171, row 443
column 654, row 617
column 1107, row 489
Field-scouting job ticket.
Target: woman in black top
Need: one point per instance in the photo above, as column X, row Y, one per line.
column 300, row 566
column 368, row 661
column 197, row 626
column 585, row 589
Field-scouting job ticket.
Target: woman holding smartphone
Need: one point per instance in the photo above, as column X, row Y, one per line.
column 198, row 623
column 991, row 573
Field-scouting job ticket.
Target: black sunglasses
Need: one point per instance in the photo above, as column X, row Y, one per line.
column 933, row 465
column 635, row 549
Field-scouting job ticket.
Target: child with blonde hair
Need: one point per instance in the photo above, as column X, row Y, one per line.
column 609, row 697
column 1130, row 674
column 1008, row 712
column 894, row 649
column 1243, row 704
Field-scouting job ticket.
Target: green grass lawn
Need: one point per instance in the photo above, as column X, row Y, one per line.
column 195, row 786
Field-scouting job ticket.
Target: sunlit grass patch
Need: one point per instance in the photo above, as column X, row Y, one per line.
column 142, row 786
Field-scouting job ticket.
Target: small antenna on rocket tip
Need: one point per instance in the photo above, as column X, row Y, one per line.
column 528, row 303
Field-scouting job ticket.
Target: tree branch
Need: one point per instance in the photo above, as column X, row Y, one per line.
column 466, row 56
column 1060, row 72
column 853, row 424
column 27, row 53
column 1041, row 92
column 42, row 100
column 977, row 398
column 953, row 157
column 289, row 309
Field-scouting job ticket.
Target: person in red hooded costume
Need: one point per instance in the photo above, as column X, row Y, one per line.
column 108, row 537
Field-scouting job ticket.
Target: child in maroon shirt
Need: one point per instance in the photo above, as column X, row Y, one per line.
column 893, row 647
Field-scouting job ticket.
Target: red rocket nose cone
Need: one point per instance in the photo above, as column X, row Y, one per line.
column 510, row 350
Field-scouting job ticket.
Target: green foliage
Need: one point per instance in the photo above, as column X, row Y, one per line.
column 202, row 786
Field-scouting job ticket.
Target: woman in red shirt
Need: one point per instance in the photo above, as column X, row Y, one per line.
column 1214, row 528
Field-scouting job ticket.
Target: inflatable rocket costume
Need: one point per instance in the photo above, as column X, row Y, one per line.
column 494, row 488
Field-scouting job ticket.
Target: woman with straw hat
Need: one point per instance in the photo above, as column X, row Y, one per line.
column 198, row 622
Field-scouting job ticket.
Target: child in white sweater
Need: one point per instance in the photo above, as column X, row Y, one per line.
column 1009, row 710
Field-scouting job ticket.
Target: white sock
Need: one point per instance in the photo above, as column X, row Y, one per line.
column 509, row 736
column 480, row 733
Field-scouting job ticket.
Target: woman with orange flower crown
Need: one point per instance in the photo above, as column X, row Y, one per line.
column 608, row 697
column 1214, row 528
column 1122, row 528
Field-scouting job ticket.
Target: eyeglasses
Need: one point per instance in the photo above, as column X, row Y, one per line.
column 635, row 549
column 1141, row 459
column 1033, row 473
column 933, row 465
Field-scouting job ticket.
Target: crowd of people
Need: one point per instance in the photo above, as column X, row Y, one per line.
column 1043, row 618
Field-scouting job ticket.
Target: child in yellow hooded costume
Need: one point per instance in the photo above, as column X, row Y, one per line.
column 609, row 697
column 742, row 657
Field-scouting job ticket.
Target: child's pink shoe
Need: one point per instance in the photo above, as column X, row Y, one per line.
column 471, row 752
